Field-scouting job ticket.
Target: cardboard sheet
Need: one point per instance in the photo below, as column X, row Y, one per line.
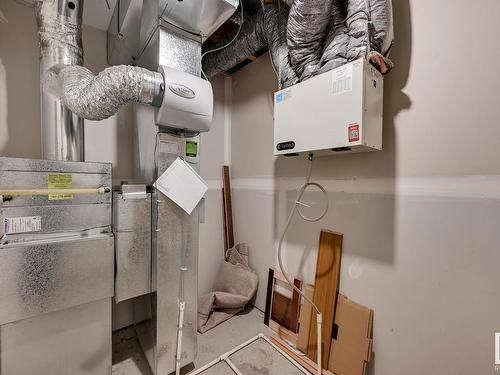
column 352, row 347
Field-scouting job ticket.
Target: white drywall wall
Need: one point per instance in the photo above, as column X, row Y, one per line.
column 420, row 219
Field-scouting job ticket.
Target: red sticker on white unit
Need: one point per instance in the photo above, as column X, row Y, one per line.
column 353, row 133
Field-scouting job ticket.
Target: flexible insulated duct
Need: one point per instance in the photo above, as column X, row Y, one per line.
column 88, row 96
column 99, row 97
column 370, row 27
column 336, row 41
column 354, row 29
column 266, row 28
column 307, row 24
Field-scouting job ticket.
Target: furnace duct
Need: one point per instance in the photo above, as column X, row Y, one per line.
column 99, row 97
column 320, row 35
column 67, row 82
column 266, row 28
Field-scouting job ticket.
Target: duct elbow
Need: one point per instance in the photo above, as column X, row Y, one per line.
column 100, row 97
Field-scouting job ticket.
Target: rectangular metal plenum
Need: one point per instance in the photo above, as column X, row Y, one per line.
column 75, row 341
column 67, row 259
column 79, row 213
column 174, row 248
column 46, row 276
column 132, row 229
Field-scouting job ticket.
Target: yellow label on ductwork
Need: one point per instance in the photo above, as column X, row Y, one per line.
column 60, row 181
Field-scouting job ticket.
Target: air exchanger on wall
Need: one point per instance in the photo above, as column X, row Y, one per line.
column 336, row 112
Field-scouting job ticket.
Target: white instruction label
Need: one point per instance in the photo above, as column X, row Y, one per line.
column 23, row 224
column 342, row 79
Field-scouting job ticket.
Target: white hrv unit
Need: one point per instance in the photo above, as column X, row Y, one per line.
column 337, row 111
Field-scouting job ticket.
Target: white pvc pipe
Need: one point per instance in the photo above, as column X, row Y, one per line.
column 286, row 355
column 319, row 365
column 225, row 355
column 233, row 367
column 182, row 307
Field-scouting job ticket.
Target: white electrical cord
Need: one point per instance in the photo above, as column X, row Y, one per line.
column 295, row 208
column 226, row 45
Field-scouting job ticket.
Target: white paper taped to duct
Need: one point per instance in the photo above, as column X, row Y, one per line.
column 182, row 185
column 4, row 129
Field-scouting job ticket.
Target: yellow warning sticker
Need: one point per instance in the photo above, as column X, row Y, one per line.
column 60, row 181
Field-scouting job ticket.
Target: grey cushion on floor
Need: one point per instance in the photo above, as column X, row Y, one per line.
column 235, row 286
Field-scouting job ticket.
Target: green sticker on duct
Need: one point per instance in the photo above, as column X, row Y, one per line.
column 191, row 149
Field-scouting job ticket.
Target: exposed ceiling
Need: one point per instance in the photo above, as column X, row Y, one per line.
column 97, row 14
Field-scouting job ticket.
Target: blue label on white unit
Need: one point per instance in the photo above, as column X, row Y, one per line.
column 279, row 97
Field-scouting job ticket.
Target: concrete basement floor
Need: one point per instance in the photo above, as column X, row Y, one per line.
column 256, row 359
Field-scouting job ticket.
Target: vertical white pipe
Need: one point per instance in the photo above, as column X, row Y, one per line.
column 178, row 358
column 319, row 365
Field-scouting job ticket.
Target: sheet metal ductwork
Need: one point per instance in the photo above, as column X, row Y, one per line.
column 320, row 35
column 60, row 42
column 70, row 86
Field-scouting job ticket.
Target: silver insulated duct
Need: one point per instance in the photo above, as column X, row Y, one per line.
column 59, row 34
column 265, row 28
column 318, row 36
column 99, row 97
column 70, row 92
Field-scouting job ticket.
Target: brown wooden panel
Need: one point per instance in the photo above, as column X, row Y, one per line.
column 285, row 310
column 281, row 308
column 283, row 333
column 228, row 209
column 295, row 307
column 325, row 292
column 305, row 320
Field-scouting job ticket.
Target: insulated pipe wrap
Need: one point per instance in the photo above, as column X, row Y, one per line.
column 250, row 40
column 337, row 39
column 267, row 27
column 315, row 37
column 307, row 24
column 62, row 77
column 275, row 29
column 370, row 27
column 99, row 97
